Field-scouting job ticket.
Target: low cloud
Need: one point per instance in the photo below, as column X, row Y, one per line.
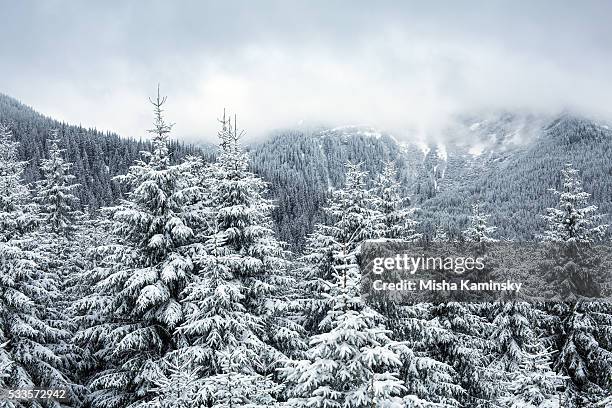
column 407, row 68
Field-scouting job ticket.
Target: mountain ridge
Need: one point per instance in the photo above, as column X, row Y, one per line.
column 506, row 161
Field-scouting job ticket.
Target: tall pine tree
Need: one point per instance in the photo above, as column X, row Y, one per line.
column 27, row 290
column 236, row 323
column 352, row 362
column 61, row 246
column 138, row 283
column 395, row 211
column 583, row 328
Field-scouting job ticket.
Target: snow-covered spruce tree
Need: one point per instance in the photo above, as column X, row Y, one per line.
column 573, row 220
column 439, row 236
column 584, row 351
column 180, row 384
column 603, row 403
column 478, row 231
column 55, row 192
column 583, row 329
column 17, row 216
column 94, row 233
column 396, row 214
column 27, row 290
column 428, row 379
column 352, row 363
column 139, row 280
column 337, row 318
column 58, row 240
column 243, row 216
column 350, row 221
column 533, row 385
column 463, row 331
column 572, row 229
column 236, row 320
column 225, row 337
column 522, row 363
column 238, row 386
column 176, row 385
column 5, row 365
column 461, row 339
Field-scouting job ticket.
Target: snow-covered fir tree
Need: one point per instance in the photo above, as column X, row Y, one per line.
column 350, row 221
column 352, row 362
column 237, row 385
column 460, row 330
column 138, row 283
column 176, row 385
column 242, row 213
column 395, row 212
column 572, row 229
column 479, row 231
column 522, row 364
column 463, row 342
column 55, row 192
column 27, row 290
column 331, row 274
column 179, row 384
column 429, row 380
column 440, row 236
column 583, row 329
column 584, row 355
column 533, row 385
column 605, row 402
column 572, row 220
column 94, row 236
column 14, row 197
column 225, row 337
column 62, row 248
column 5, row 365
column 331, row 285
column 236, row 322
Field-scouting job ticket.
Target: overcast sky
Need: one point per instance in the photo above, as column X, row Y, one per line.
column 395, row 65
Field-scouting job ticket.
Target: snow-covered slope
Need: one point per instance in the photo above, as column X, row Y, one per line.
column 506, row 160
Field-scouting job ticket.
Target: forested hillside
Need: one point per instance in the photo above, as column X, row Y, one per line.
column 180, row 294
column 302, row 168
column 97, row 156
column 507, row 161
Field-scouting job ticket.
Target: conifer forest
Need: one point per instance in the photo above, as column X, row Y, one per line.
column 179, row 291
column 190, row 205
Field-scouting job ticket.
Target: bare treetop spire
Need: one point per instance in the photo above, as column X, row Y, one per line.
column 161, row 127
column 160, row 157
column 229, row 134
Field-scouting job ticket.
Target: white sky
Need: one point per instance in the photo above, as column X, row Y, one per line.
column 395, row 65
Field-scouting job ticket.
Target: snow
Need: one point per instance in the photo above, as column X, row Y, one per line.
column 357, row 130
column 442, row 153
column 223, row 296
column 435, row 179
column 475, row 126
column 424, row 147
column 476, row 150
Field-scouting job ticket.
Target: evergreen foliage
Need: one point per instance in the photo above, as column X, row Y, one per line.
column 182, row 293
column 352, row 362
column 29, row 333
column 138, row 284
column 582, row 327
